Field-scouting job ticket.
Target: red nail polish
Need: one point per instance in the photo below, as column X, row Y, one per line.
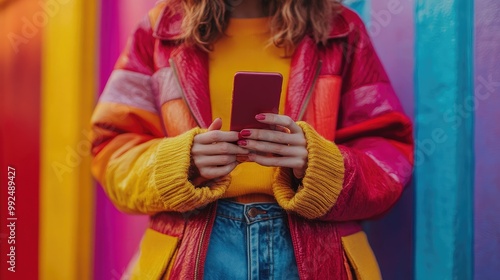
column 245, row 133
column 242, row 143
column 260, row 117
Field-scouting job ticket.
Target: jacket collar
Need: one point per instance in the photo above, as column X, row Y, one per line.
column 340, row 28
column 168, row 27
column 192, row 69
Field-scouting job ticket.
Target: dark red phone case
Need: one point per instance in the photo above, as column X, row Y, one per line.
column 254, row 93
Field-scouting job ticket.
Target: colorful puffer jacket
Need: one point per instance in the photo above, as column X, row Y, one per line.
column 359, row 141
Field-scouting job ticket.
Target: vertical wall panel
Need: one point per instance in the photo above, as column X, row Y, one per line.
column 19, row 134
column 392, row 31
column 444, row 158
column 487, row 146
column 66, row 194
column 105, row 250
column 362, row 7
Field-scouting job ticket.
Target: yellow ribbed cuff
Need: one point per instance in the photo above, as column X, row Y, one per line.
column 171, row 176
column 322, row 182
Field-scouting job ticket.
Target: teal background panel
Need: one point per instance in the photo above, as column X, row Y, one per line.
column 444, row 153
column 362, row 7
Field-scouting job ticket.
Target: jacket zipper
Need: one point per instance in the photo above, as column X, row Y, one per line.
column 298, row 257
column 183, row 93
column 311, row 90
column 200, row 247
column 301, row 115
column 176, row 75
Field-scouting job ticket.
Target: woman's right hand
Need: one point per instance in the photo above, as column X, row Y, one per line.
column 214, row 154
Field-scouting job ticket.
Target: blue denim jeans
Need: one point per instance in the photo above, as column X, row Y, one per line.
column 250, row 241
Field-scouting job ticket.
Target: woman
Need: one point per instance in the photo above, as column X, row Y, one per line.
column 256, row 204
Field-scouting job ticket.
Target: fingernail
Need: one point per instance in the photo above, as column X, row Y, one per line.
column 245, row 133
column 260, row 117
column 242, row 143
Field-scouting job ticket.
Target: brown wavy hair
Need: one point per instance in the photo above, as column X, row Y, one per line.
column 205, row 21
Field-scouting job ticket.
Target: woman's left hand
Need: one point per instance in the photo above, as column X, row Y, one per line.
column 283, row 147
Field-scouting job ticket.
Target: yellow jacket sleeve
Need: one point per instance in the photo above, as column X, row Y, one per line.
column 153, row 177
column 142, row 172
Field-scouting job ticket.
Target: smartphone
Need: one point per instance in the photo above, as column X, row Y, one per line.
column 254, row 93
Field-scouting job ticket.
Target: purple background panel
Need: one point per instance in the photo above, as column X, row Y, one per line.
column 392, row 32
column 487, row 140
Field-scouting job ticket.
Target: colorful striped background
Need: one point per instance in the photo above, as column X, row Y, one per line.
column 442, row 57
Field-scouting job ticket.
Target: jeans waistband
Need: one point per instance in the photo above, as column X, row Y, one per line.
column 249, row 213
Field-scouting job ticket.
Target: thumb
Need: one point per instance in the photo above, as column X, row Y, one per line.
column 216, row 124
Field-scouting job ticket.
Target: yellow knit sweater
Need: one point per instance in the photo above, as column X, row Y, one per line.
column 245, row 48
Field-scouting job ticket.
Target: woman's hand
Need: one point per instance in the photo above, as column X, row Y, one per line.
column 213, row 154
column 287, row 143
